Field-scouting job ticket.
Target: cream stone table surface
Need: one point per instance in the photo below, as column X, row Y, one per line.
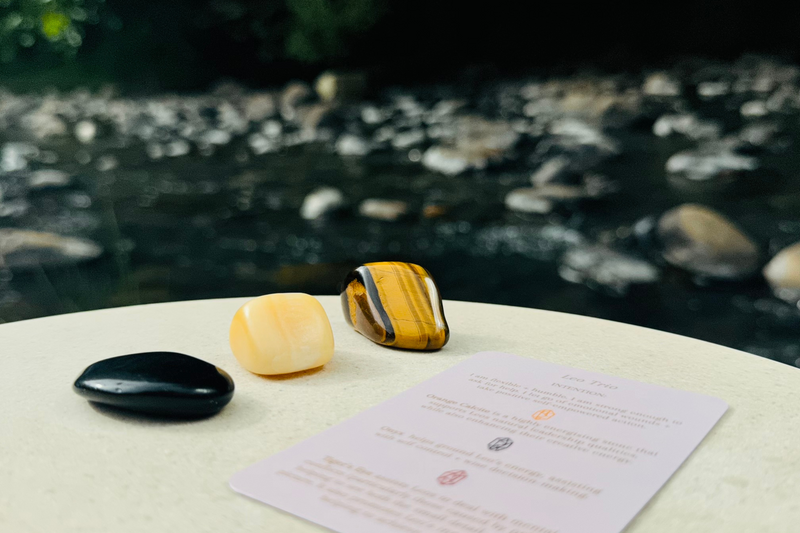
column 66, row 466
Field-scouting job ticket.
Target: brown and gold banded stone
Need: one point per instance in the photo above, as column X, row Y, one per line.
column 395, row 304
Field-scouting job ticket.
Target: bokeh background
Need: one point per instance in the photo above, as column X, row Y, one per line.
column 631, row 162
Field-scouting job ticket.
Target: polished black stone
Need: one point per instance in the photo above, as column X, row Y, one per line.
column 157, row 383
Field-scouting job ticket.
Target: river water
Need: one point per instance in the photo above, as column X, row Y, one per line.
column 224, row 222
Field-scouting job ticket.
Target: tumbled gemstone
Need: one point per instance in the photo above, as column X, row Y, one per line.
column 395, row 304
column 281, row 333
column 158, row 383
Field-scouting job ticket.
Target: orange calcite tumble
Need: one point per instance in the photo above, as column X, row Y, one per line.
column 281, row 334
column 395, row 304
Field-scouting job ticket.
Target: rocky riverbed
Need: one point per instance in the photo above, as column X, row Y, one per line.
column 667, row 199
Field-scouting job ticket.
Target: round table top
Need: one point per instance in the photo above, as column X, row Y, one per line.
column 67, row 466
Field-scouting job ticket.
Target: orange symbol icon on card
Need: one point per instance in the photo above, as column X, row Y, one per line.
column 544, row 414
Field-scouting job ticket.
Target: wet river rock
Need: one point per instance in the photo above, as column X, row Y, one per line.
column 21, row 249
column 704, row 242
column 783, row 273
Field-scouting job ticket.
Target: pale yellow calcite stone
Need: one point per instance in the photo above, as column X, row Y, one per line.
column 281, row 333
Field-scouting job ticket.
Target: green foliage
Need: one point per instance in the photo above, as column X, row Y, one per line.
column 309, row 31
column 320, row 29
column 149, row 45
column 304, row 30
column 45, row 25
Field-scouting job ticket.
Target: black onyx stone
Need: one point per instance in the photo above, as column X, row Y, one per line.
column 157, row 383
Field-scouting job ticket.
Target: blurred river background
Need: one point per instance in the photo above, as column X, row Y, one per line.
column 153, row 153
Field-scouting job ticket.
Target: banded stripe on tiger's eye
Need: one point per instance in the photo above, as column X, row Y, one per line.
column 395, row 304
column 362, row 306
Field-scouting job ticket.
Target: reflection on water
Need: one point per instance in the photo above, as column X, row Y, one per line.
column 106, row 201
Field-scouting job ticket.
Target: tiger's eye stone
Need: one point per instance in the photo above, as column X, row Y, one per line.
column 395, row 304
column 281, row 334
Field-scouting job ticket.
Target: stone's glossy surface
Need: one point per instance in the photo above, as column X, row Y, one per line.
column 158, row 383
column 395, row 304
column 281, row 334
